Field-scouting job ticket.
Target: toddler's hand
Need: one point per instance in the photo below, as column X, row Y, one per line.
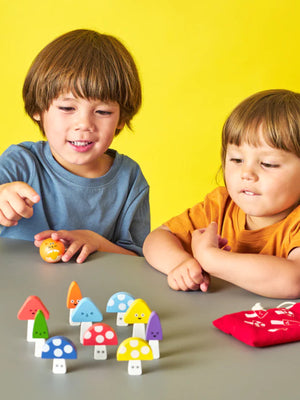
column 188, row 276
column 16, row 202
column 83, row 241
column 205, row 239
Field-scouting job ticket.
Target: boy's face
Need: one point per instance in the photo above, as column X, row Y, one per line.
column 263, row 181
column 79, row 131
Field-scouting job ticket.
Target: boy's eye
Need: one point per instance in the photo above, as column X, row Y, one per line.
column 269, row 165
column 102, row 112
column 65, row 108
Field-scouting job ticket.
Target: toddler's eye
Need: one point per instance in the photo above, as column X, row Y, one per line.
column 269, row 165
column 66, row 109
column 236, row 160
column 102, row 112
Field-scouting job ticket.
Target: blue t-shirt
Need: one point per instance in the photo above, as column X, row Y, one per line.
column 115, row 205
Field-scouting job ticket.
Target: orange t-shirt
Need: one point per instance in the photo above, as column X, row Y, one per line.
column 277, row 239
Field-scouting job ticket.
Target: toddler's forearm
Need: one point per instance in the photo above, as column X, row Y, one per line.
column 163, row 250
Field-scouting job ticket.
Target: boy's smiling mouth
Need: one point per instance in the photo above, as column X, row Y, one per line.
column 81, row 145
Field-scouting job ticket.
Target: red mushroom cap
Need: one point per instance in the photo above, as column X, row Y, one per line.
column 100, row 334
column 30, row 307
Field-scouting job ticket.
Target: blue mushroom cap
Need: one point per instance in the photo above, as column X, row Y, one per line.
column 86, row 311
column 59, row 347
column 119, row 302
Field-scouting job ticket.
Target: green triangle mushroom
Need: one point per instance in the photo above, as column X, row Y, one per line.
column 40, row 332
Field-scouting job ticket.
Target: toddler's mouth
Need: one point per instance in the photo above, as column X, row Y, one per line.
column 80, row 143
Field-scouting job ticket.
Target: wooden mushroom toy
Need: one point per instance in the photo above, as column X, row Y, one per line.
column 100, row 335
column 73, row 298
column 134, row 350
column 60, row 349
column 28, row 311
column 86, row 313
column 154, row 334
column 138, row 314
column 40, row 332
column 119, row 303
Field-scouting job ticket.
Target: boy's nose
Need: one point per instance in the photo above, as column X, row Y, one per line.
column 84, row 122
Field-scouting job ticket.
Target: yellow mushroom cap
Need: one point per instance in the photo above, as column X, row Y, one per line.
column 134, row 348
column 138, row 313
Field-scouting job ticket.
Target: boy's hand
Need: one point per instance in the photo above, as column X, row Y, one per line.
column 83, row 241
column 188, row 276
column 16, row 202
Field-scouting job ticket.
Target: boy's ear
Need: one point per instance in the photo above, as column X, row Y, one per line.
column 121, row 125
column 36, row 117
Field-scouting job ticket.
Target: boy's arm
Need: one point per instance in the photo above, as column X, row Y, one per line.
column 265, row 275
column 83, row 242
column 164, row 251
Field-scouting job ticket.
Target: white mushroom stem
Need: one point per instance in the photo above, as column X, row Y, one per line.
column 59, row 366
column 154, row 344
column 72, row 323
column 39, row 343
column 134, row 367
column 30, row 324
column 120, row 319
column 100, row 352
column 139, row 331
column 83, row 327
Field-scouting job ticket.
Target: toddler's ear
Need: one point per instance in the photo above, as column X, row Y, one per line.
column 37, row 117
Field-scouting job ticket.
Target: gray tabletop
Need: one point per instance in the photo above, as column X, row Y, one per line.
column 197, row 360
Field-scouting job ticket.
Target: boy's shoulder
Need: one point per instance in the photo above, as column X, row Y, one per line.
column 26, row 148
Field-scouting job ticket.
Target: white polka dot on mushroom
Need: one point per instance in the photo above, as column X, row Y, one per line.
column 109, row 335
column 58, row 352
column 87, row 335
column 46, row 348
column 99, row 339
column 121, row 297
column 134, row 343
column 122, row 307
column 110, row 302
column 68, row 349
column 98, row 328
column 122, row 350
column 57, row 342
column 129, row 302
column 145, row 350
column 135, row 354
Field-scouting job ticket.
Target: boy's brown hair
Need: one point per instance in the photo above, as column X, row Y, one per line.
column 88, row 64
column 276, row 111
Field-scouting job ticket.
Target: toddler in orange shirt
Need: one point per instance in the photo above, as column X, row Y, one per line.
column 256, row 215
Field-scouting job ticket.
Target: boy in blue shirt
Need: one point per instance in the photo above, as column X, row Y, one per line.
column 81, row 90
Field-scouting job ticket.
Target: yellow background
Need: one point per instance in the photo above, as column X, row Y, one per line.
column 197, row 60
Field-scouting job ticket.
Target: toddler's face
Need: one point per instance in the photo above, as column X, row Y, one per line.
column 79, row 131
column 263, row 181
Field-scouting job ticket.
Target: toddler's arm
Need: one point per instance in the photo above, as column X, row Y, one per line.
column 265, row 275
column 16, row 202
column 164, row 251
column 83, row 242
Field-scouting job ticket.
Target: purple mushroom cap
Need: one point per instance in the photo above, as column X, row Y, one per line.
column 154, row 330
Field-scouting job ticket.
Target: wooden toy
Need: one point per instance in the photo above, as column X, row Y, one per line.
column 60, row 349
column 154, row 333
column 100, row 335
column 138, row 314
column 52, row 250
column 73, row 298
column 86, row 313
column 39, row 332
column 119, row 303
column 134, row 350
column 28, row 311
